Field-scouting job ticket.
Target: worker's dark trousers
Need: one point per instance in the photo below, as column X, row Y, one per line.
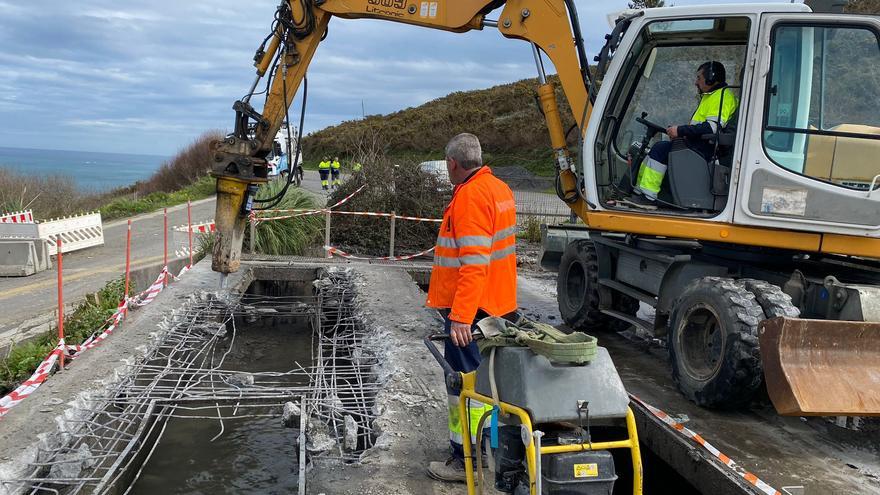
column 464, row 359
column 660, row 152
column 325, row 174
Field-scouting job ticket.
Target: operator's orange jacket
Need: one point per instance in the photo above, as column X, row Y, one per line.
column 475, row 257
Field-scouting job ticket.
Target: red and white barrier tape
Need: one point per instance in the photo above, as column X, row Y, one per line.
column 398, row 217
column 696, row 438
column 27, row 388
column 300, row 212
column 93, row 341
column 147, row 296
column 303, row 213
column 343, row 200
column 199, row 228
column 48, row 365
column 26, row 216
column 343, row 254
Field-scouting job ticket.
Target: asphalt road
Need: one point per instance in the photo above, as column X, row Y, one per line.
column 23, row 299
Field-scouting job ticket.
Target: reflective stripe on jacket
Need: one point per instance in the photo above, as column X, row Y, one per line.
column 324, row 165
column 475, row 257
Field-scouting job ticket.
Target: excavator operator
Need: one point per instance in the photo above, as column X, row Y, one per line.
column 717, row 106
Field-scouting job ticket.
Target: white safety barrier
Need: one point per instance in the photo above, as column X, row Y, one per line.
column 26, row 216
column 180, row 237
column 77, row 232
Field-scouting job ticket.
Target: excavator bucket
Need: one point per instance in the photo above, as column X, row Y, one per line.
column 822, row 367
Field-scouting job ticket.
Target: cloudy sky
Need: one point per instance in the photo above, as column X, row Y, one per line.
column 150, row 76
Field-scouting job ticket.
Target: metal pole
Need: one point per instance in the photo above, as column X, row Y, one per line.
column 189, row 230
column 303, row 415
column 252, row 241
column 538, row 434
column 60, row 301
column 165, row 240
column 327, row 234
column 391, row 241
column 127, row 262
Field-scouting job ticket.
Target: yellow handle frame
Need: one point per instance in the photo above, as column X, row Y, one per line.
column 468, row 392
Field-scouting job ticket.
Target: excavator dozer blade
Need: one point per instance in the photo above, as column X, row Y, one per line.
column 822, row 367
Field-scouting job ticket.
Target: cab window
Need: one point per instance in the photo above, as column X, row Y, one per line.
column 822, row 112
column 657, row 84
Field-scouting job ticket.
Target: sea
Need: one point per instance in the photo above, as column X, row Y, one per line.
column 92, row 171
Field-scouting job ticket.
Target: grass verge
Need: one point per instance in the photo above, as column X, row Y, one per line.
column 125, row 207
column 87, row 318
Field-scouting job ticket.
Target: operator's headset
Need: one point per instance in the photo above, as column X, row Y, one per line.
column 712, row 73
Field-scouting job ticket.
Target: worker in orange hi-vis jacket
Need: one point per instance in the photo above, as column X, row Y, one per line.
column 473, row 275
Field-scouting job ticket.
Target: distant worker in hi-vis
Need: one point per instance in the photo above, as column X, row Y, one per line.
column 334, row 170
column 324, row 171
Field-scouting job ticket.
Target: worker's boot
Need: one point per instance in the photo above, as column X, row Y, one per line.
column 451, row 470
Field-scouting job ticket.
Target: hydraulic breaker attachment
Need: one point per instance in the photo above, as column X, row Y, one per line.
column 822, row 367
column 237, row 176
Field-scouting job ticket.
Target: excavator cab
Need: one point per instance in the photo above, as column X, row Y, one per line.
column 655, row 90
column 761, row 258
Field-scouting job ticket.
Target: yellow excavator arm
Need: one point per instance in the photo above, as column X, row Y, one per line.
column 551, row 26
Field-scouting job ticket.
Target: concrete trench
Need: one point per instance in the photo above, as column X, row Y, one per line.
column 111, row 423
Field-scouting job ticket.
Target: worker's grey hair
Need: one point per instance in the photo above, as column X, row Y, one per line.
column 465, row 150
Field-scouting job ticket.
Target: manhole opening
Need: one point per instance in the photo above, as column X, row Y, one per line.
column 205, row 411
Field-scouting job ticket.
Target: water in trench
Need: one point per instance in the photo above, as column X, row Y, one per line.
column 252, row 455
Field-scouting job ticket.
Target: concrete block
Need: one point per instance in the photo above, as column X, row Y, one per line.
column 23, row 257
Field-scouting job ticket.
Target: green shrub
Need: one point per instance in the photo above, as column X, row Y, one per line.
column 531, row 230
column 291, row 236
column 391, row 186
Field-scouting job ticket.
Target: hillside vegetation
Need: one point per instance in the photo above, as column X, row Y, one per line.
column 506, row 118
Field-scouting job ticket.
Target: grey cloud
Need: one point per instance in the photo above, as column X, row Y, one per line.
column 150, row 76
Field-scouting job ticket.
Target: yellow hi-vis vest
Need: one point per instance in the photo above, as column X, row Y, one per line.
column 716, row 107
column 335, row 164
column 324, row 165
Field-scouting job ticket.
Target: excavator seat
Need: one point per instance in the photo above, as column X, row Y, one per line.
column 697, row 183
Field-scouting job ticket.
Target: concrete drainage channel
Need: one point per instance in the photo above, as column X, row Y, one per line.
column 206, row 411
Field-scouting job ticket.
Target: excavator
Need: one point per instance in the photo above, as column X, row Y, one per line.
column 759, row 262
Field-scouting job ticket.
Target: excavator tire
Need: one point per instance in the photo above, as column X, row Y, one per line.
column 773, row 301
column 577, row 289
column 713, row 343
